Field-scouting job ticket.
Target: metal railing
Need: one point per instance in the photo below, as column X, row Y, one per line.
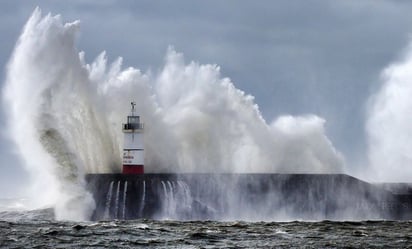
column 133, row 126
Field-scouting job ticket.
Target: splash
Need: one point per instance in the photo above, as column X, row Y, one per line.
column 65, row 116
column 389, row 123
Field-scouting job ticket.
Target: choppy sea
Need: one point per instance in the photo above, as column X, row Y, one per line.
column 38, row 229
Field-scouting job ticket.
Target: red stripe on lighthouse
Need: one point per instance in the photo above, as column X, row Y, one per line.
column 133, row 169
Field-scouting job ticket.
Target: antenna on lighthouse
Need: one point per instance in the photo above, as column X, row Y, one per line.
column 133, row 105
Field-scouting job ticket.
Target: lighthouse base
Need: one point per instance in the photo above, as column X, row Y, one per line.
column 133, row 169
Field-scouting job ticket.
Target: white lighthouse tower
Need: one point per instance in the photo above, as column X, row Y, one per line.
column 133, row 150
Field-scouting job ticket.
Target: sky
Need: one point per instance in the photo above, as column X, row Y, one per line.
column 295, row 57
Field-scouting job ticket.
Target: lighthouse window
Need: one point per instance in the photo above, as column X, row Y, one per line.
column 133, row 119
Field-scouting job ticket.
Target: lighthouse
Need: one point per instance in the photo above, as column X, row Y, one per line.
column 133, row 150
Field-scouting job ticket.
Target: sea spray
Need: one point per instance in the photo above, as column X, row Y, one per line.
column 43, row 63
column 220, row 129
column 389, row 124
column 65, row 117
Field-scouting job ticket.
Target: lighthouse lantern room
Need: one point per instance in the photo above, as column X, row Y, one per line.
column 133, row 150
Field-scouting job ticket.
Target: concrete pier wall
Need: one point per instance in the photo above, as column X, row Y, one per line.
column 246, row 197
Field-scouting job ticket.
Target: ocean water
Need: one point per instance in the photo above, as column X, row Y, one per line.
column 37, row 229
